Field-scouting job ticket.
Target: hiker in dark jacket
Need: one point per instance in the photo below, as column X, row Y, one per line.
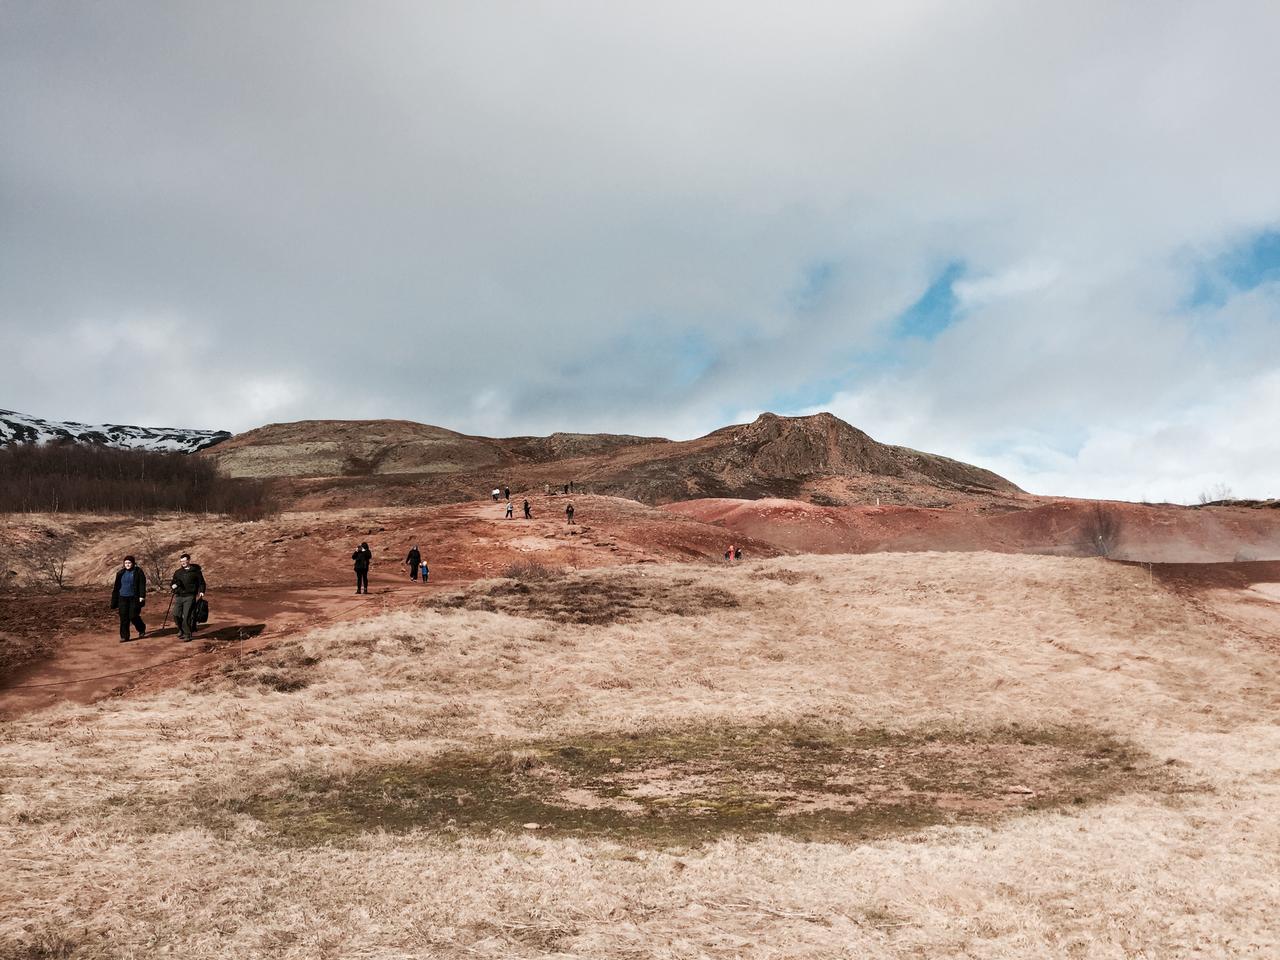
column 413, row 560
column 187, row 585
column 568, row 512
column 128, row 596
column 528, row 514
column 362, row 557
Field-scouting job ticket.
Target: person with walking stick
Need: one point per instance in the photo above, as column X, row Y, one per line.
column 186, row 587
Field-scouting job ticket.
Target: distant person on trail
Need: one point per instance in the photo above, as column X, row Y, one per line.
column 496, row 494
column 506, row 493
column 568, row 513
column 187, row 585
column 426, row 572
column 737, row 553
column 728, row 554
column 566, row 489
column 128, row 595
column 413, row 559
column 362, row 557
column 528, row 515
column 509, row 510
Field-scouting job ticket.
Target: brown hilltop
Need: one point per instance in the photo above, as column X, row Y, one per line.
column 819, row 458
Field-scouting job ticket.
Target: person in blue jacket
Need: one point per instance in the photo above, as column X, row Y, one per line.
column 128, row 596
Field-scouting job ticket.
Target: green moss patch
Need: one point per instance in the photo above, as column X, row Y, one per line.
column 690, row 785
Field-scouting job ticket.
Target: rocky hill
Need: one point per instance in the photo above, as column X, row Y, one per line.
column 819, row 458
column 21, row 428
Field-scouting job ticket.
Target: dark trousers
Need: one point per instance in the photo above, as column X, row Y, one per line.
column 184, row 614
column 413, row 571
column 362, row 581
column 131, row 612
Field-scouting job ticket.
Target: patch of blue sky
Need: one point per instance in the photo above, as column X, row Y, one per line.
column 936, row 309
column 691, row 355
column 1244, row 267
column 815, row 283
column 656, row 355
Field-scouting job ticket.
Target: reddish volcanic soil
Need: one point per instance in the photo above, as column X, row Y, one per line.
column 273, row 578
column 1160, row 533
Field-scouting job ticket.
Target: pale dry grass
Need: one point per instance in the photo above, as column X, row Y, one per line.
column 109, row 851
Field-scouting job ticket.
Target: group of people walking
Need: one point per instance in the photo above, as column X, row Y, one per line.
column 186, row 598
column 362, row 559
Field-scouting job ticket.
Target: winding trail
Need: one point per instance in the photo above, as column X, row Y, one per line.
column 92, row 665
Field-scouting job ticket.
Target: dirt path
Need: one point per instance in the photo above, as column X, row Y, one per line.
column 91, row 665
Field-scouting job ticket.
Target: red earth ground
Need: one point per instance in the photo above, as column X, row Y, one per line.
column 274, row 578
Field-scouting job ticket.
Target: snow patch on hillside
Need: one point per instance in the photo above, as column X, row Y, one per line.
column 21, row 428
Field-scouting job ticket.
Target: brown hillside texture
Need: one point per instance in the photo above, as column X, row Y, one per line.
column 1159, row 533
column 288, row 803
column 293, row 569
column 344, row 463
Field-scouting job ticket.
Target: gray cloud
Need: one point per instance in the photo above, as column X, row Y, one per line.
column 518, row 218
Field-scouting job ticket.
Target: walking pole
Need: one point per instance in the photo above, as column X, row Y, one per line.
column 166, row 611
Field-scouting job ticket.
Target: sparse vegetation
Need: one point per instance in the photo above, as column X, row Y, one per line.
column 531, row 570
column 443, row 782
column 1218, row 493
column 589, row 598
column 695, row 785
column 83, row 478
column 41, row 560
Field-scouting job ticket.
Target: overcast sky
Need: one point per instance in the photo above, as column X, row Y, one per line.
column 1040, row 237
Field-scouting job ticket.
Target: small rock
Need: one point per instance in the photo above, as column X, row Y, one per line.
column 1018, row 788
column 531, row 826
column 616, row 761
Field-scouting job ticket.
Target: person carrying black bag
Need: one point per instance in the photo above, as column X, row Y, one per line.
column 187, row 585
column 128, row 596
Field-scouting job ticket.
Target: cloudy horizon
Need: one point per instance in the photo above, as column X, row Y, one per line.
column 1041, row 238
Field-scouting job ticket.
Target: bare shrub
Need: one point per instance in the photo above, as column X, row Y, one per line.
column 1218, row 493
column 1101, row 531
column 153, row 558
column 531, row 570
column 44, row 558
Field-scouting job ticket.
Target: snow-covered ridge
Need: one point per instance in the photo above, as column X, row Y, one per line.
column 20, row 428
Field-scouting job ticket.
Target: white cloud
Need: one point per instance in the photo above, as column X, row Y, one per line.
column 393, row 209
column 1018, row 280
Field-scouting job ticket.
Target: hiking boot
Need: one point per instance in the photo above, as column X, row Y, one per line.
column 185, row 639
column 126, row 640
column 141, row 634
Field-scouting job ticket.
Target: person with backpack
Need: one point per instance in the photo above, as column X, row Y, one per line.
column 187, row 584
column 508, row 512
column 362, row 558
column 568, row 513
column 414, row 558
column 128, row 596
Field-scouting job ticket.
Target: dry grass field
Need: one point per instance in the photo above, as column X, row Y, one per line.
column 932, row 755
